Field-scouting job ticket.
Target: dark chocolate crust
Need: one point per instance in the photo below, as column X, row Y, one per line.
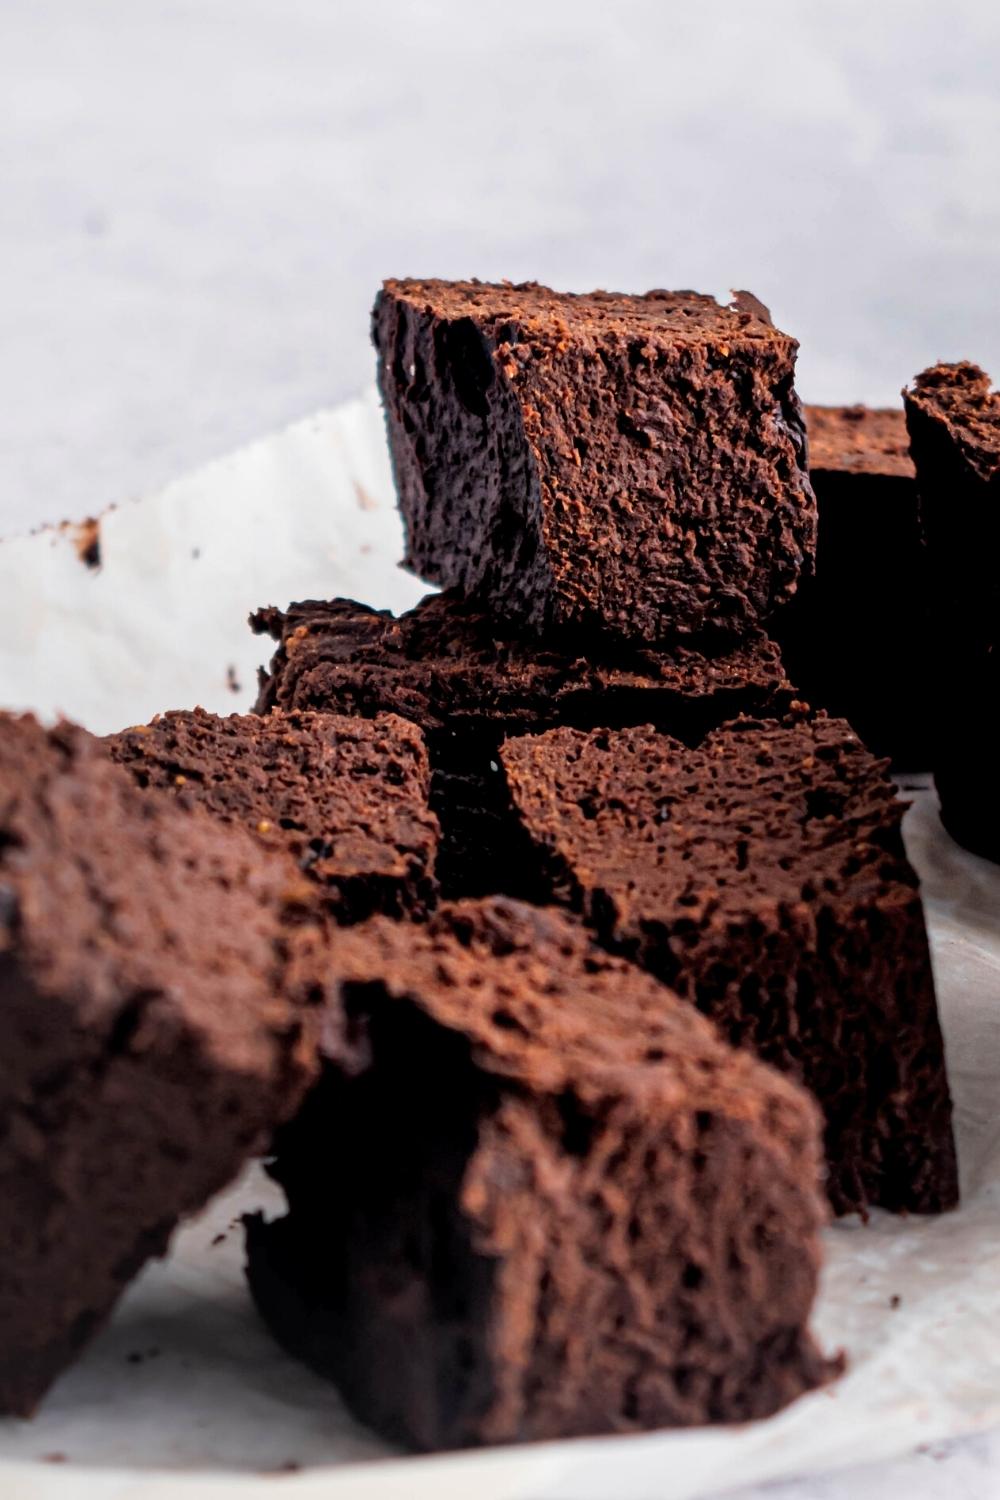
column 156, row 998
column 607, row 1221
column 467, row 683
column 856, row 637
column 763, row 876
column 346, row 797
column 953, row 417
column 631, row 462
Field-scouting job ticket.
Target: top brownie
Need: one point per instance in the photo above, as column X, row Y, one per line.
column 347, row 797
column 635, row 463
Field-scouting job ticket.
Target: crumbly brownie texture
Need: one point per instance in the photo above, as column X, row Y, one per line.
column 953, row 418
column 348, row 798
column 156, row 1022
column 467, row 683
column 631, row 462
column 855, row 638
column 606, row 1222
column 763, row 876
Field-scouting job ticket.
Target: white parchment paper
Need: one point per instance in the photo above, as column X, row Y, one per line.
column 184, row 1395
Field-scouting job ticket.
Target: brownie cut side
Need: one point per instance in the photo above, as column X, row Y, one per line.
column 468, row 682
column 567, row 1207
column 347, row 798
column 630, row 462
column 855, row 639
column 763, row 876
column 953, row 416
column 158, row 994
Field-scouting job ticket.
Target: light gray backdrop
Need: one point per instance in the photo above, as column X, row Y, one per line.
column 199, row 197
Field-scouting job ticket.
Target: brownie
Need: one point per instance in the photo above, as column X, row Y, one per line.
column 157, row 996
column 635, row 463
column 346, row 797
column 607, row 1220
column 763, row 876
column 467, row 682
column 855, row 638
column 954, row 423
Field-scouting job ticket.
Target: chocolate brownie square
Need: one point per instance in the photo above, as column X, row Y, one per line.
column 157, row 997
column 346, row 797
column 855, row 638
column 762, row 876
column 630, row 463
column 467, row 682
column 565, row 1206
column 953, row 417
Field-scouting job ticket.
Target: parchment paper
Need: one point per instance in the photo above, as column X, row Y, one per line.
column 184, row 1395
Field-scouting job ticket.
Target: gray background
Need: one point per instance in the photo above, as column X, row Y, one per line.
column 199, row 197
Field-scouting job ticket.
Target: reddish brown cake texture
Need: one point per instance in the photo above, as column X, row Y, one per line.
column 607, row 1221
column 158, row 994
column 953, row 417
column 467, row 682
column 634, row 464
column 346, row 797
column 763, row 876
column 855, row 638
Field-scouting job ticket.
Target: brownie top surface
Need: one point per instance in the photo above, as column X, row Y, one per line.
column 509, row 311
column 762, row 813
column 542, row 1005
column 446, row 657
column 959, row 398
column 859, row 440
column 346, row 796
column 114, row 903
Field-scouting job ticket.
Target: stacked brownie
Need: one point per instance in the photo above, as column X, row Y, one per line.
column 469, row 681
column 856, row 636
column 953, row 416
column 634, row 463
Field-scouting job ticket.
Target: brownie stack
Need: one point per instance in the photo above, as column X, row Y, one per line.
column 613, row 493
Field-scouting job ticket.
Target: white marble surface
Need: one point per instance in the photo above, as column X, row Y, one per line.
column 198, row 199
